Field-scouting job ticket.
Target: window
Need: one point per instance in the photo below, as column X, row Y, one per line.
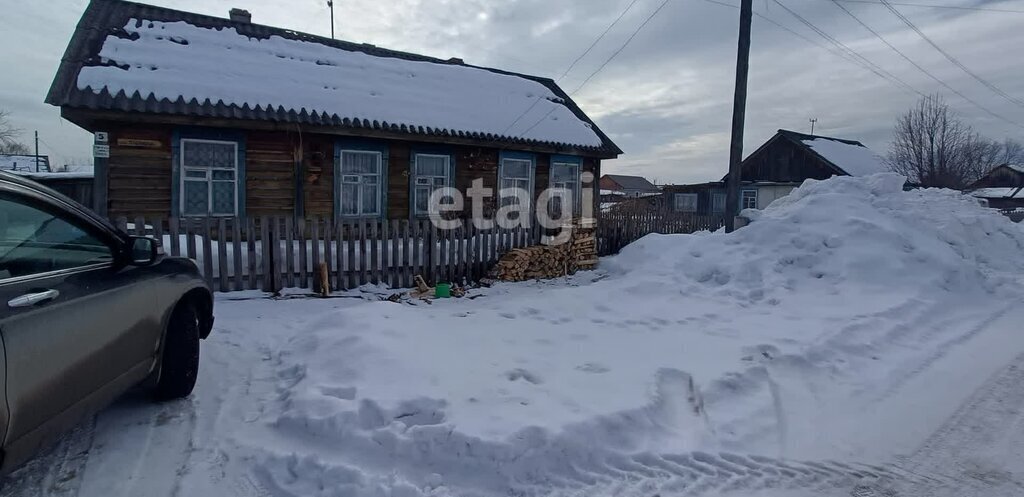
column 565, row 175
column 361, row 181
column 748, row 199
column 686, row 202
column 718, row 202
column 33, row 242
column 515, row 173
column 430, row 172
column 209, row 178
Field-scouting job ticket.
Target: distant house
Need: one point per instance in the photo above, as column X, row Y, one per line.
column 629, row 186
column 1002, row 187
column 776, row 168
column 207, row 116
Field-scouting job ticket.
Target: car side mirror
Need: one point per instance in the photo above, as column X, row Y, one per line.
column 143, row 250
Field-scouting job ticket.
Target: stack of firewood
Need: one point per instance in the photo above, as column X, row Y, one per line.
column 550, row 261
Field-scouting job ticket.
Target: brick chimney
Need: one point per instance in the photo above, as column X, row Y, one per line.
column 240, row 15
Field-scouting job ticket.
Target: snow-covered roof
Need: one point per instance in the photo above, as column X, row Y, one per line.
column 1016, row 167
column 152, row 59
column 999, row 192
column 632, row 182
column 852, row 157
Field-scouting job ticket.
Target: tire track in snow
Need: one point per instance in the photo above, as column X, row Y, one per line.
column 979, row 450
column 57, row 472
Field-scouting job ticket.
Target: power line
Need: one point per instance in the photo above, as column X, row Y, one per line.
column 949, row 56
column 918, row 66
column 878, row 70
column 935, row 6
column 779, row 25
column 623, row 47
column 571, row 66
column 599, row 38
column 602, row 66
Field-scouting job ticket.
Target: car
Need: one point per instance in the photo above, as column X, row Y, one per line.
column 87, row 312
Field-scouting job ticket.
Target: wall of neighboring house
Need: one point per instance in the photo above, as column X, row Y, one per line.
column 142, row 177
column 766, row 194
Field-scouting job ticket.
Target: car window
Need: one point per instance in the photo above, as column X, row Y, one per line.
column 33, row 241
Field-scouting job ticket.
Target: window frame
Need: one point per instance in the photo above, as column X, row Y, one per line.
column 677, row 196
column 577, row 192
column 183, row 178
column 111, row 241
column 211, row 134
column 505, row 155
column 744, row 197
column 414, row 177
column 381, row 149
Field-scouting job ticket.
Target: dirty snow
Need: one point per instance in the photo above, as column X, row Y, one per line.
column 817, row 351
column 856, row 160
column 177, row 59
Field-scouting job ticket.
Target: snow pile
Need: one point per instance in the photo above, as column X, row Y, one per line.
column 856, row 160
column 816, row 331
column 841, row 235
column 177, row 59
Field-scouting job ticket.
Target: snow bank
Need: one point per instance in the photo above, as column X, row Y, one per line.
column 793, row 336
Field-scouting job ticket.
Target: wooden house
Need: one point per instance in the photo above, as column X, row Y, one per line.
column 199, row 116
column 1001, row 188
column 775, row 169
column 628, row 186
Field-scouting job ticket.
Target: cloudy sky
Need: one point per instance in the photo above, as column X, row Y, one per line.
column 666, row 99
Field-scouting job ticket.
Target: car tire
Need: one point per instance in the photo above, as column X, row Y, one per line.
column 179, row 364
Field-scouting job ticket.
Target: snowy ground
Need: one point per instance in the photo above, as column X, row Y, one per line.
column 854, row 340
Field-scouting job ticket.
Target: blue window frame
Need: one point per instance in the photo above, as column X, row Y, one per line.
column 430, row 168
column 565, row 174
column 360, row 179
column 208, row 172
column 515, row 170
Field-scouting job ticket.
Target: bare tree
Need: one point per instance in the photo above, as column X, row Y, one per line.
column 933, row 147
column 9, row 143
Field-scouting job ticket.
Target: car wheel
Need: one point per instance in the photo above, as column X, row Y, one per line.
column 180, row 362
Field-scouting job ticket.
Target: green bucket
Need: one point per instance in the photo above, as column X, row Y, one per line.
column 443, row 290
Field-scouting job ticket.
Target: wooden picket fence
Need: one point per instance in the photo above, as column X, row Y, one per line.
column 616, row 230
column 273, row 252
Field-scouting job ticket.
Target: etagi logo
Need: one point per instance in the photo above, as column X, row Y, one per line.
column 556, row 208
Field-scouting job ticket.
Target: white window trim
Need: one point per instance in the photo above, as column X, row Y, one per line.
column 577, row 190
column 380, row 183
column 530, row 177
column 416, row 175
column 744, row 196
column 209, row 177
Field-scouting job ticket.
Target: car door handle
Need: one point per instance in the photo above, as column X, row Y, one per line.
column 30, row 299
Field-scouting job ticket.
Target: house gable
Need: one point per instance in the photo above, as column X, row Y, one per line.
column 784, row 160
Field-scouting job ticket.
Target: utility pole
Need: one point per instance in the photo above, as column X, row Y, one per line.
column 37, row 151
column 330, row 3
column 739, row 107
column 813, row 120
